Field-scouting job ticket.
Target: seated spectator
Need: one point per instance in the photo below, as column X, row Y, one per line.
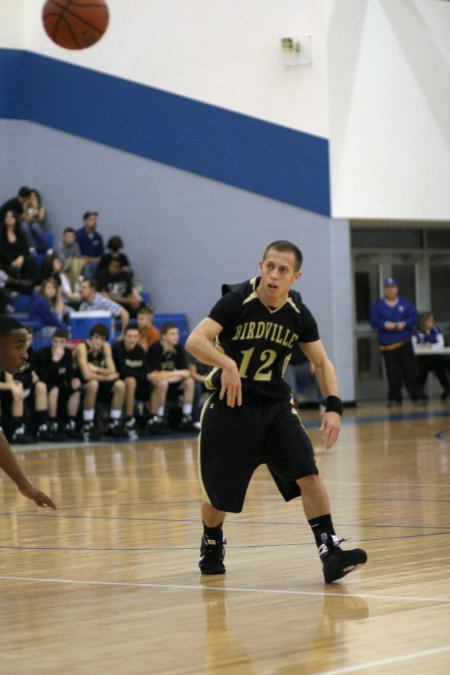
column 169, row 376
column 300, row 371
column 16, row 204
column 117, row 285
column 115, row 246
column 148, row 333
column 96, row 369
column 47, row 308
column 4, row 295
column 68, row 247
column 428, row 337
column 51, row 268
column 35, row 391
column 15, row 259
column 91, row 243
column 12, row 397
column 70, row 282
column 131, row 364
column 32, row 219
column 54, row 368
column 92, row 301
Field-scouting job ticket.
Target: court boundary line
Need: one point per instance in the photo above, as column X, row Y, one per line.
column 224, row 589
column 385, row 662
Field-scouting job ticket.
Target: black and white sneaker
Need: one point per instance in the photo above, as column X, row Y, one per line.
column 72, row 431
column 56, row 434
column 90, row 432
column 336, row 562
column 156, row 426
column 21, row 437
column 115, row 429
column 212, row 554
column 186, row 423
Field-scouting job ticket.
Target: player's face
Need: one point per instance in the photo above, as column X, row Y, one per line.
column 131, row 338
column 278, row 273
column 13, row 351
column 59, row 343
column 172, row 336
column 97, row 341
column 143, row 320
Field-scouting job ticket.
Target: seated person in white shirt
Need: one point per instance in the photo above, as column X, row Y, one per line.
column 92, row 301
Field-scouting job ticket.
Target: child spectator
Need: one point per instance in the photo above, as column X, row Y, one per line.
column 169, row 376
column 117, row 285
column 100, row 381
column 131, row 364
column 115, row 246
column 68, row 247
column 47, row 308
column 54, row 368
column 429, row 337
column 148, row 333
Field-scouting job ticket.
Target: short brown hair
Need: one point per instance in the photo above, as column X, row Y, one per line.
column 286, row 247
column 166, row 327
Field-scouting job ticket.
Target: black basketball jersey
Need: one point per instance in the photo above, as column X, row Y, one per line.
column 97, row 359
column 260, row 339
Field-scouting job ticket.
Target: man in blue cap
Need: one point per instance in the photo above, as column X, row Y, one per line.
column 394, row 318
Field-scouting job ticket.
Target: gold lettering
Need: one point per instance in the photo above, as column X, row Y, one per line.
column 251, row 330
column 286, row 344
column 293, row 340
column 244, row 332
column 278, row 339
column 238, row 332
column 269, row 325
column 260, row 330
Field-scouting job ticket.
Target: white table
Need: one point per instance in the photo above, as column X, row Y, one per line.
column 426, row 351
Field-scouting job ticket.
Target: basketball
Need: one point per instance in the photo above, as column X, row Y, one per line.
column 75, row 24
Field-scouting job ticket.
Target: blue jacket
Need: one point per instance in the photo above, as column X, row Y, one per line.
column 42, row 313
column 403, row 310
column 91, row 246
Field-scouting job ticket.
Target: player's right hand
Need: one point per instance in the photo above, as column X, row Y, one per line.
column 36, row 496
column 231, row 385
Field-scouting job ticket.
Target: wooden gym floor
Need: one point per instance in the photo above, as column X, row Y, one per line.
column 109, row 584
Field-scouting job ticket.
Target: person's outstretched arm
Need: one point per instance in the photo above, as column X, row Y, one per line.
column 11, row 467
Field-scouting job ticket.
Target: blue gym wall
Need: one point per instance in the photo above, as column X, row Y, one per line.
column 186, row 231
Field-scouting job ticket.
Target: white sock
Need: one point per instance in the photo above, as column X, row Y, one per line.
column 88, row 415
column 160, row 412
column 115, row 414
column 187, row 408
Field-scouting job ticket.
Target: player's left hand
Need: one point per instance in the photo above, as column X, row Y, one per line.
column 36, row 496
column 330, row 428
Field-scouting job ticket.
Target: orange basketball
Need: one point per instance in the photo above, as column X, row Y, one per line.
column 75, row 24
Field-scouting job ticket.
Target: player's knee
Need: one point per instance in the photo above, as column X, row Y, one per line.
column 119, row 385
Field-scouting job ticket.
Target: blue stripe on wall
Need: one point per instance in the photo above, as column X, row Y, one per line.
column 243, row 151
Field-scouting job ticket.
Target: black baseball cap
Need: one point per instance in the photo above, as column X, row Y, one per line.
column 90, row 213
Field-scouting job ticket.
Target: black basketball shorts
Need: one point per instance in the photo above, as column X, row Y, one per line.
column 233, row 442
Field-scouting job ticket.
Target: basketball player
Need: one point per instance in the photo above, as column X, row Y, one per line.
column 250, row 420
column 13, row 355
